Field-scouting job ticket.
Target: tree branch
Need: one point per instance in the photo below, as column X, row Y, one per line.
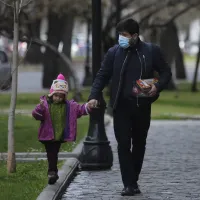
column 54, row 49
column 113, row 14
column 16, row 15
column 26, row 4
column 175, row 16
column 64, row 58
column 183, row 11
column 158, row 8
column 22, row 6
column 140, row 9
column 162, row 5
column 6, row 3
column 150, row 14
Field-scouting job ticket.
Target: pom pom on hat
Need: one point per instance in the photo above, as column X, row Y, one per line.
column 60, row 77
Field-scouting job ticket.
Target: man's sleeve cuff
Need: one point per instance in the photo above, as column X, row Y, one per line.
column 158, row 86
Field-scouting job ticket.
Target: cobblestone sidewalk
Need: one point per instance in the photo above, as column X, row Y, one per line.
column 171, row 169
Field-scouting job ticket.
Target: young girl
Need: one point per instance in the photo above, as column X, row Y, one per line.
column 58, row 118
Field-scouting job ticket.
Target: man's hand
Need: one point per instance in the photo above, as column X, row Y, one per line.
column 93, row 103
column 153, row 91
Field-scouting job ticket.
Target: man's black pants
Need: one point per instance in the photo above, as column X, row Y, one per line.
column 131, row 125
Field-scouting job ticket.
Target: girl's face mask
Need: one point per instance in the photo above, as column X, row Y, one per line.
column 124, row 41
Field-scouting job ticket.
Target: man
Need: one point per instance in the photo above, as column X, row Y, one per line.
column 126, row 63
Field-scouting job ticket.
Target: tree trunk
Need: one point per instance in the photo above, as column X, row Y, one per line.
column 118, row 15
column 67, row 70
column 88, row 75
column 187, row 35
column 34, row 54
column 110, row 42
column 168, row 42
column 51, row 69
column 179, row 62
column 60, row 55
column 66, row 37
column 67, row 24
column 180, row 66
column 11, row 160
column 194, row 83
column 154, row 35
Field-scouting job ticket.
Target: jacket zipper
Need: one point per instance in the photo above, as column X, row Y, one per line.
column 145, row 66
column 140, row 63
column 50, row 119
column 120, row 80
column 140, row 74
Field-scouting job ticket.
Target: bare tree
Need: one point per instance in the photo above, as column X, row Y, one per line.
column 61, row 15
column 194, row 83
column 149, row 14
column 11, row 162
column 15, row 7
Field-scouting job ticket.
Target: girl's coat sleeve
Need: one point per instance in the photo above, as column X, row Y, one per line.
column 39, row 112
column 80, row 109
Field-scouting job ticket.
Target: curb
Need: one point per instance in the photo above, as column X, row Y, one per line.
column 180, row 116
column 37, row 156
column 29, row 160
column 53, row 192
column 67, row 172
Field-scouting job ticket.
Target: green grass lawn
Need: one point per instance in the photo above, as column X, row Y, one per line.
column 30, row 178
column 189, row 58
column 78, row 59
column 29, row 100
column 181, row 102
column 26, row 131
column 185, row 103
column 26, row 184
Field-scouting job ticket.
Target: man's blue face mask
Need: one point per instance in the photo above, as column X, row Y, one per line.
column 124, row 41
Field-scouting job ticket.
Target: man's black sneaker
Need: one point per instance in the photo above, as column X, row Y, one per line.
column 128, row 191
column 136, row 189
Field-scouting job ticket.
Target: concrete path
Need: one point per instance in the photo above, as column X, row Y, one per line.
column 171, row 168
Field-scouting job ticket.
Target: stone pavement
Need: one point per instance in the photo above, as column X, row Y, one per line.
column 171, row 169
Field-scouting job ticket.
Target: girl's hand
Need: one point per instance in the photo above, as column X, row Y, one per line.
column 42, row 103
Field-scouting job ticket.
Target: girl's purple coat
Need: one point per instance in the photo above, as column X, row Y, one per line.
column 46, row 133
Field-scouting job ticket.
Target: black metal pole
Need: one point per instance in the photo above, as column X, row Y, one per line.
column 88, row 76
column 96, row 152
column 118, row 15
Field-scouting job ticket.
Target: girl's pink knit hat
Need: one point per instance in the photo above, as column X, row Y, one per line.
column 59, row 85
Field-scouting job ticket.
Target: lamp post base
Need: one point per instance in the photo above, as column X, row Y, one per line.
column 96, row 156
column 96, row 152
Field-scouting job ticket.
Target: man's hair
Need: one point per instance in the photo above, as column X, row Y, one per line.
column 128, row 25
